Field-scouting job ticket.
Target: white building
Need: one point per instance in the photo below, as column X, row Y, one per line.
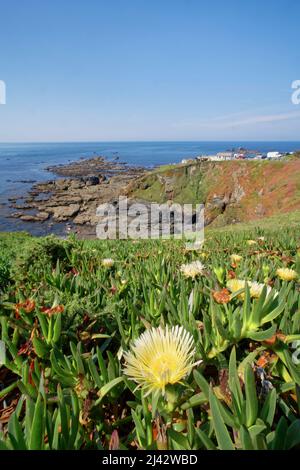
column 273, row 155
column 220, row 157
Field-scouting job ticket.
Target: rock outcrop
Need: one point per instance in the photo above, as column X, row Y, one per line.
column 75, row 197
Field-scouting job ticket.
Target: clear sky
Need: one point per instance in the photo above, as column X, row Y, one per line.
column 149, row 69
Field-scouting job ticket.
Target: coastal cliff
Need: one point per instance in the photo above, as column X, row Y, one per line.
column 232, row 192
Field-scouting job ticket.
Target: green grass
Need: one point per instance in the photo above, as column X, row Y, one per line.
column 291, row 219
column 186, row 188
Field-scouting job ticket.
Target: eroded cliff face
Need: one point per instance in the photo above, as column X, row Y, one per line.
column 235, row 191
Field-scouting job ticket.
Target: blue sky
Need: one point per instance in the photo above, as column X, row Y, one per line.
column 149, row 70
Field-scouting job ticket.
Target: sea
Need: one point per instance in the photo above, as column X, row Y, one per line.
column 22, row 164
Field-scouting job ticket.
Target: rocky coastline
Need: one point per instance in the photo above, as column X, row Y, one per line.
column 73, row 196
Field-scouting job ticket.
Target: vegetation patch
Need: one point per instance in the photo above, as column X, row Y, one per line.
column 92, row 331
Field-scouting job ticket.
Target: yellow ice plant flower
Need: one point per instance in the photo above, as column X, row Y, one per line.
column 160, row 357
column 235, row 258
column 286, row 274
column 196, row 268
column 256, row 288
column 235, row 285
column 108, row 262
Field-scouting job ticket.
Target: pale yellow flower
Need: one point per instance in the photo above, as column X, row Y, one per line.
column 196, row 268
column 235, row 258
column 256, row 289
column 160, row 357
column 235, row 285
column 286, row 274
column 108, row 262
column 251, row 242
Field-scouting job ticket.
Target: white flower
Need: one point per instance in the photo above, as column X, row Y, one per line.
column 256, row 289
column 196, row 268
column 108, row 262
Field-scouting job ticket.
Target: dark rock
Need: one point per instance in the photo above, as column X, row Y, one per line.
column 91, row 180
column 25, row 181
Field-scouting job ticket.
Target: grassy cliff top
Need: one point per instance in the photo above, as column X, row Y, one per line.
column 232, row 191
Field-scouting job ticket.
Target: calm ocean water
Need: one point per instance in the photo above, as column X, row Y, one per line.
column 19, row 162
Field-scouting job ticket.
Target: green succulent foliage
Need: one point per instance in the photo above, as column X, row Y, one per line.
column 248, row 422
column 62, row 375
column 44, row 428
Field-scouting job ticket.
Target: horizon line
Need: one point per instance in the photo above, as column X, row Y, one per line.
column 139, row 141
